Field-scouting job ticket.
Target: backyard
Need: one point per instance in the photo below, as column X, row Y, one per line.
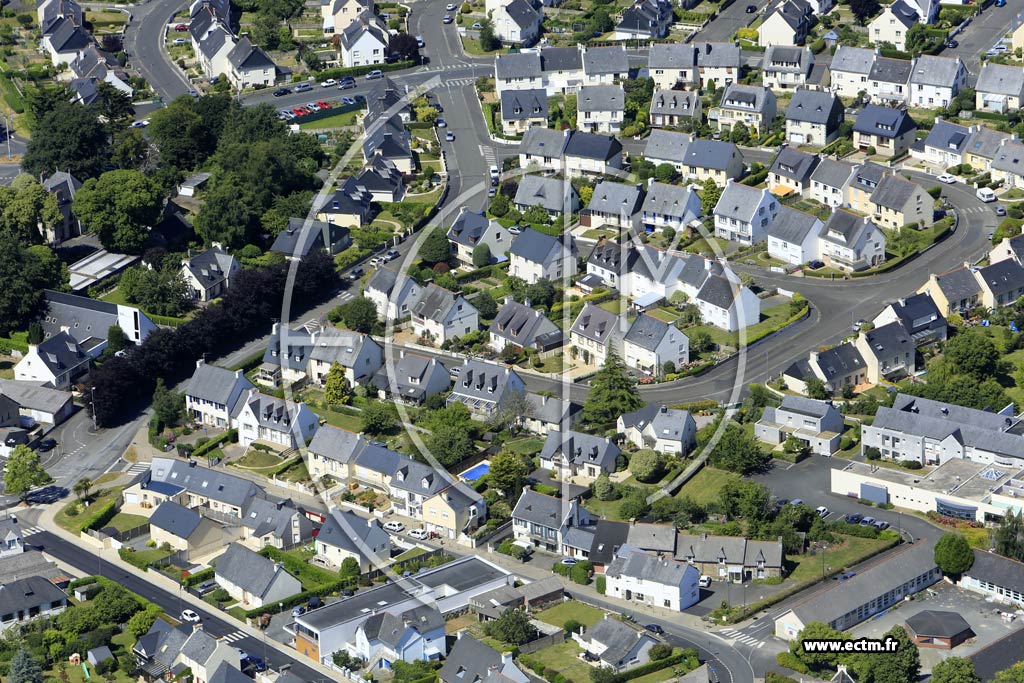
column 576, row 611
column 704, row 486
column 850, row 551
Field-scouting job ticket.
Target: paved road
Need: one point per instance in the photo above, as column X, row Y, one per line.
column 144, row 43
column 984, row 32
column 725, row 25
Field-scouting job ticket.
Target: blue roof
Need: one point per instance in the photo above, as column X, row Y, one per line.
column 164, row 488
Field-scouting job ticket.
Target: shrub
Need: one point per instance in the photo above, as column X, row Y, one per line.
column 660, row 651
column 872, row 453
column 910, row 464
column 600, row 584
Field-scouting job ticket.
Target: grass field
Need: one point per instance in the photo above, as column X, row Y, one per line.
column 352, row 423
column 525, row 446
column 74, row 523
column 123, row 521
column 7, row 369
column 704, row 486
column 846, row 554
column 256, row 459
column 769, row 318
column 565, row 659
column 350, row 118
column 563, row 612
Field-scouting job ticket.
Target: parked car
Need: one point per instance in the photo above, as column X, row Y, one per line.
column 797, row 501
column 206, row 587
column 815, row 264
column 491, row 192
column 190, row 616
column 704, row 581
column 419, row 42
column 420, row 534
column 298, row 611
column 374, row 75
column 257, row 664
column 494, row 172
column 394, row 526
column 346, row 83
column 281, row 92
column 305, row 86
column 655, row 628
column 999, row 209
column 181, row 28
column 946, row 178
column 822, row 511
column 314, row 602
column 881, row 525
column 440, row 122
column 355, row 274
column 447, row 19
column 569, row 561
column 329, row 83
column 347, row 100
column 951, row 44
column 391, row 255
column 846, row 576
column 449, row 7
column 515, row 230
column 751, row 9
column 853, row 519
column 47, row 445
column 985, row 194
column 449, row 136
column 478, row 26
column 867, row 521
column 313, row 106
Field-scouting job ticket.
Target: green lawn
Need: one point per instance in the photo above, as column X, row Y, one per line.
column 657, row 676
column 846, row 554
column 704, row 486
column 349, row 421
column 7, row 369
column 73, row 523
column 257, row 459
column 123, row 521
column 349, row 118
column 529, row 445
column 663, row 314
column 563, row 612
column 565, row 659
column 769, row 317
column 297, row 472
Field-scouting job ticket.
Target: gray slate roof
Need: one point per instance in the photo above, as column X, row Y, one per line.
column 958, row 284
column 646, row 567
column 561, row 59
column 215, row 384
column 520, row 105
column 595, row 323
column 738, row 201
column 346, row 530
column 211, row 483
column 788, row 58
column 580, row 449
column 518, row 65
column 1001, row 79
column 937, row 71
column 793, row 164
column 520, row 324
column 593, row 146
column 814, row 106
column 672, row 56
column 674, row 102
column 61, row 353
column 1002, row 278
column 804, row 406
column 592, row 98
column 853, row 60
column 547, row 192
column 950, row 136
column 893, row 192
column 540, row 509
column 667, row 200
column 245, row 55
column 22, row 595
column 536, row 247
column 666, row 145
column 889, row 339
column 616, row 198
column 937, row 623
column 618, row 639
column 883, row 122
column 888, row 70
column 719, row 291
column 997, row 569
column 792, row 226
column 246, row 569
column 175, row 519
column 747, row 97
column 605, row 60
column 435, row 302
column 647, row 332
column 199, row 646
column 717, row 55
column 832, row 173
column 1010, row 158
column 845, row 228
column 543, row 142
column 712, row 154
column 985, row 142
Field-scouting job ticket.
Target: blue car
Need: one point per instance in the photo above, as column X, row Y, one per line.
column 257, row 663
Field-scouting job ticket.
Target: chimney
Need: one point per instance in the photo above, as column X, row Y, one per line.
column 509, row 299
column 506, row 658
column 458, row 634
column 200, row 362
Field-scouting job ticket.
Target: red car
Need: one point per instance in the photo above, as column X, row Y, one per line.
column 300, row 111
column 323, row 104
column 181, row 27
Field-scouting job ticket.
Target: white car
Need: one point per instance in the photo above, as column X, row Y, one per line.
column 190, row 616
column 822, row 511
column 329, row 83
column 705, row 581
column 449, row 7
column 394, row 527
column 418, row 534
column 178, row 41
column 947, row 178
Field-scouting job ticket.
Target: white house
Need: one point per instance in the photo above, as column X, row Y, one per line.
column 364, row 41
column 591, row 154
column 212, row 393
column 786, row 67
column 56, row 362
column 652, row 580
column 793, row 236
column 392, row 298
column 743, row 213
column 337, row 14
column 414, row 635
column 347, row 535
column 254, row 580
column 850, row 69
column 544, row 521
column 935, row 81
column 727, row 304
column 830, row 180
column 813, row 117
column 516, row 22
column 209, row 273
column 284, row 424
column 517, row 71
column 817, row 424
column 594, row 332
column 651, row 344
column 666, row 430
column 600, row 108
column 669, row 206
column 614, row 644
column 786, row 24
column 851, row 242
column 892, row 25
column 535, row 256
column 250, row 66
column 442, row 315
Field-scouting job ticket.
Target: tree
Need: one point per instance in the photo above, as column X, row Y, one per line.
column 665, row 173
column 481, row 255
column 488, row 41
column 24, row 668
column 513, row 627
column 739, row 452
column 972, row 353
column 1015, row 674
column 746, row 500
column 68, row 138
column 816, row 630
column 405, row 46
column 603, row 674
column 435, row 248
column 24, row 472
column 359, row 315
column 953, row 554
column 265, row 30
column 168, row 405
column 954, row 669
column 120, row 207
column 25, row 206
column 645, row 465
column 35, row 333
column 603, row 488
column 82, row 487
column 336, row 389
column 611, row 393
column 376, row 418
column 130, row 149
column 891, row 667
column 864, row 10
column 159, row 290
column 739, row 134
column 24, row 273
column 485, row 305
column 142, row 621
column 113, row 105
column 349, row 570
column 917, row 39
column 660, row 651
column 506, row 473
column 701, row 341
column 116, row 338
column 450, row 445
column 500, row 205
column 816, row 389
column 709, row 197
column 536, row 215
column 1009, row 537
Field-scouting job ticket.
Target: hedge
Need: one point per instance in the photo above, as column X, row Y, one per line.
column 782, row 324
column 695, row 406
column 755, row 178
column 199, row 577
column 790, row 661
column 100, row 517
column 299, row 598
column 651, row 667
column 84, row 581
column 231, row 434
column 166, row 320
column 297, row 567
column 8, row 344
column 340, row 72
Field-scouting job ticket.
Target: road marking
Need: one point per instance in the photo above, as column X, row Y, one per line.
column 31, row 531
column 138, row 468
column 489, row 155
column 760, row 645
column 233, row 637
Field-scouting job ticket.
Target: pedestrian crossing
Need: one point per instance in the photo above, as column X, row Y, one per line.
column 489, row 154
column 743, row 638
column 975, row 210
column 138, row 468
column 31, row 530
column 234, row 636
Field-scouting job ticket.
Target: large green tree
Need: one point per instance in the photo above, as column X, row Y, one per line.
column 24, row 274
column 435, row 247
column 336, row 389
column 69, row 138
column 24, row 206
column 645, row 465
column 953, row 554
column 709, row 197
column 890, row 667
column 612, row 393
column 24, row 472
column 450, row 445
column 168, row 405
column 507, row 473
column 954, row 669
column 972, row 353
column 748, row 500
column 162, row 291
column 738, row 451
column 24, row 668
column 512, row 627
column 228, row 215
column 120, row 207
column 816, row 630
column 359, row 314
column 376, row 418
column 1009, row 537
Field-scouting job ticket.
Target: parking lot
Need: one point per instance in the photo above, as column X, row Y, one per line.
column 981, row 615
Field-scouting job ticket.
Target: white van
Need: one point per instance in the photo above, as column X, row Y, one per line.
column 985, row 194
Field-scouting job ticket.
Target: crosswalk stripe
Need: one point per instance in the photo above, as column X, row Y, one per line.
column 138, row 468
column 232, row 637
column 32, row 530
column 760, row 645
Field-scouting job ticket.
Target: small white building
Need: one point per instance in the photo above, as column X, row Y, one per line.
column 600, row 108
column 666, row 430
column 793, row 236
column 744, row 213
column 212, row 393
column 535, row 256
column 209, row 273
column 364, row 41
column 817, row 424
column 651, row 344
column 653, row 581
column 442, row 315
column 56, row 362
column 728, row 304
column 275, row 421
column 254, row 580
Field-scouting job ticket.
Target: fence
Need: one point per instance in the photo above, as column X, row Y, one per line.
column 327, row 113
column 542, row 642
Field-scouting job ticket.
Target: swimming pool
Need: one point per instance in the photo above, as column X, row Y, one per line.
column 476, row 471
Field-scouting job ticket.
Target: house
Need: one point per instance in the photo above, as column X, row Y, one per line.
column 533, row 596
column 616, row 645
column 89, row 321
column 337, row 14
column 470, row 660
column 590, row 154
column 889, row 80
column 727, row 304
column 594, row 333
column 897, row 202
column 186, row 531
column 273, row 421
column 892, row 25
column 956, row 291
column 651, row 345
column 743, row 213
column 786, row 24
column 392, row 293
column 793, row 236
column 208, row 274
column 63, row 186
column 442, row 315
column 851, row 242
column 600, row 108
column 29, row 598
column 941, row 629
column 549, row 414
column 520, row 71
column 666, row 430
column 890, row 132
column 347, row 535
column 535, row 256
column 541, row 148
column 865, row 180
column 730, row 558
column 818, row 425
column 613, row 204
column 645, row 20
column 413, row 379
column 604, row 65
column 484, row 387
column 11, row 542
column 648, row 580
column 472, row 229
column 516, row 22
column 669, row 206
column 672, row 64
column 1008, row 166
column 332, row 452
column 1000, row 88
column 720, row 64
column 667, row 147
column 349, row 206
column 295, row 356
column 212, row 50
column 522, row 109
column 935, row 81
column 945, row 144
column 186, row 483
column 753, row 106
column 254, row 580
column 562, row 69
column 65, row 41
column 212, row 393
column 714, row 159
column 205, row 656
column 850, row 70
column 414, row 635
column 519, row 326
column 387, row 138
column 983, row 146
column 578, row 457
column 544, row 521
column 99, row 654
column 277, row 523
column 250, row 66
column 1001, row 283
column 381, row 179
column 364, row 41
column 302, row 237
column 790, row 172
column 674, row 108
column 786, row 67
column 38, row 402
column 1008, row 248
column 830, row 180
column 871, row 591
column 56, row 362
column 997, row 576
column 555, row 196
column 919, row 316
column 813, row 117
